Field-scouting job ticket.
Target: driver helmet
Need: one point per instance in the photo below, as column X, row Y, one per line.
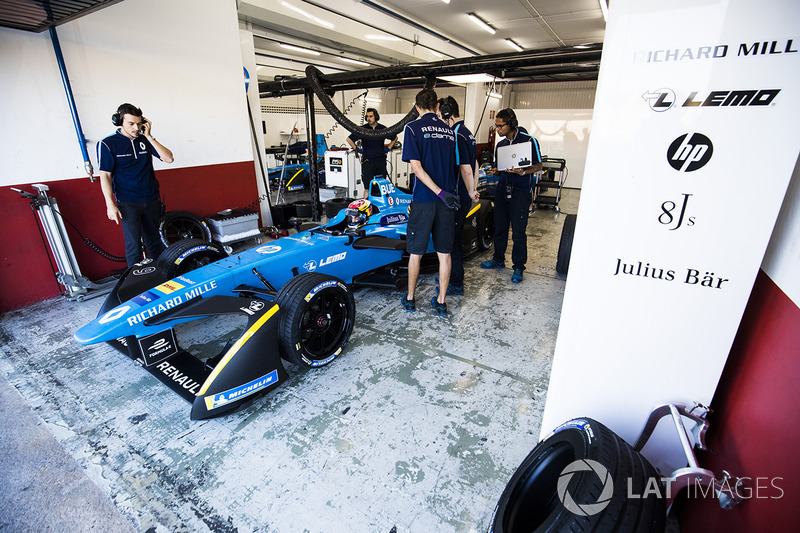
column 358, row 213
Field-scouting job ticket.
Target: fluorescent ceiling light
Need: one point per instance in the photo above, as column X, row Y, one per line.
column 355, row 61
column 493, row 94
column 604, row 9
column 446, row 1
column 371, row 99
column 514, row 45
column 381, row 37
column 299, row 49
column 482, row 23
column 469, row 78
column 308, row 15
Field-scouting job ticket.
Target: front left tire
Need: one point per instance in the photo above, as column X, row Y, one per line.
column 317, row 317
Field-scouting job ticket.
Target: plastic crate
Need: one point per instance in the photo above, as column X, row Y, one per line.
column 233, row 225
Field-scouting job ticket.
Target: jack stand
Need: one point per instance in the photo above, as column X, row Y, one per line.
column 68, row 272
column 727, row 488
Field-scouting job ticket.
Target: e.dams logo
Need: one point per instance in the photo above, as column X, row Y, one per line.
column 589, row 508
column 690, row 152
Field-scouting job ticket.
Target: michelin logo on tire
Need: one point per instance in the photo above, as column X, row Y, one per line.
column 585, row 509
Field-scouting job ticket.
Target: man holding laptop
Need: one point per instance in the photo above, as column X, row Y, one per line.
column 517, row 158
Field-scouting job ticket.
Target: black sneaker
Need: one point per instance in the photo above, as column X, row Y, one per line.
column 441, row 309
column 408, row 305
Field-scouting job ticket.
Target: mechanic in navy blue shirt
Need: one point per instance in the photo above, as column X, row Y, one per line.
column 126, row 173
column 373, row 158
column 429, row 145
column 466, row 186
column 512, row 196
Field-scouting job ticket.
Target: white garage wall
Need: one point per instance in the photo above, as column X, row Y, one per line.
column 110, row 62
column 562, row 133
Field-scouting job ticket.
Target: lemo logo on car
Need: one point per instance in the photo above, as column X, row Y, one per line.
column 585, row 509
column 689, row 152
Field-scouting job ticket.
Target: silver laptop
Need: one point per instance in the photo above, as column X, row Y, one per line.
column 514, row 155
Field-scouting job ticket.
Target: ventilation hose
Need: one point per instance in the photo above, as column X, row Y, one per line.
column 312, row 73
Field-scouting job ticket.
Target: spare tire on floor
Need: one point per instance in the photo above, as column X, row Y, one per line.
column 565, row 245
column 187, row 255
column 578, row 479
column 177, row 225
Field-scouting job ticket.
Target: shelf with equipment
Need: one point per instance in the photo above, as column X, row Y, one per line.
column 550, row 182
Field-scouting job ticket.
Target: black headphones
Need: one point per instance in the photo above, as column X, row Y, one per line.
column 512, row 119
column 122, row 110
column 374, row 112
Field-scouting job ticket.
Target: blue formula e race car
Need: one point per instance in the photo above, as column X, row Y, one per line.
column 296, row 294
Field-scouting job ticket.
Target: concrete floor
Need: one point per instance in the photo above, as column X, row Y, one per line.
column 418, row 426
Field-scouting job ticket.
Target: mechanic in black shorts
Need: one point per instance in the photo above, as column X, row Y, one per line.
column 429, row 146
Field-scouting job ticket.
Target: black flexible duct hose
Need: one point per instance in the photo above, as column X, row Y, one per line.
column 312, row 73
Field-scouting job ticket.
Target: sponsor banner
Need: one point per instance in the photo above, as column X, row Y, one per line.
column 700, row 125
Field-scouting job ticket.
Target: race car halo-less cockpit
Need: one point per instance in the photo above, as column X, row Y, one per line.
column 296, row 294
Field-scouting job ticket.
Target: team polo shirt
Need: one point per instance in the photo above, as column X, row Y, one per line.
column 431, row 142
column 467, row 146
column 372, row 148
column 524, row 182
column 130, row 163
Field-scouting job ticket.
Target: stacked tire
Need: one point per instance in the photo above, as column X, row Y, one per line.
column 583, row 477
column 334, row 205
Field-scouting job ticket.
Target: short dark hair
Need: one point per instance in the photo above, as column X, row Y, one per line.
column 374, row 113
column 129, row 109
column 426, row 99
column 508, row 116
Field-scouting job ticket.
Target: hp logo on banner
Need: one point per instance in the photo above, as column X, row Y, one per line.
column 585, row 509
column 690, row 152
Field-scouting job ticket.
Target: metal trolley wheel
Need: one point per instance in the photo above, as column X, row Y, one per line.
column 178, row 225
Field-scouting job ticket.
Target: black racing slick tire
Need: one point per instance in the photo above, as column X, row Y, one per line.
column 317, row 317
column 178, row 225
column 486, row 230
column 565, row 245
column 187, row 255
column 583, row 477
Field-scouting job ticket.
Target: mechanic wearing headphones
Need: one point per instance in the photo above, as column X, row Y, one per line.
column 512, row 197
column 466, row 185
column 126, row 173
column 373, row 160
column 430, row 147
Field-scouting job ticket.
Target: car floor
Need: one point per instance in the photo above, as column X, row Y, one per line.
column 417, row 426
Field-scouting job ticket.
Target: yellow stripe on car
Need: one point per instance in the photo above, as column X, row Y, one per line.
column 236, row 347
column 473, row 210
column 293, row 177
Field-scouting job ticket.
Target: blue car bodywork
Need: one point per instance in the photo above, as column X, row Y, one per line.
column 296, row 293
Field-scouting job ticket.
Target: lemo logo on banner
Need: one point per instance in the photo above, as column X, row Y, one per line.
column 664, row 98
column 687, row 154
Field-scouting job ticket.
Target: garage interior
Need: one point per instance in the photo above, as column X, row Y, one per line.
column 421, row 422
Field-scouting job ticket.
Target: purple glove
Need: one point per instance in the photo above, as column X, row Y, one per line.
column 450, row 200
